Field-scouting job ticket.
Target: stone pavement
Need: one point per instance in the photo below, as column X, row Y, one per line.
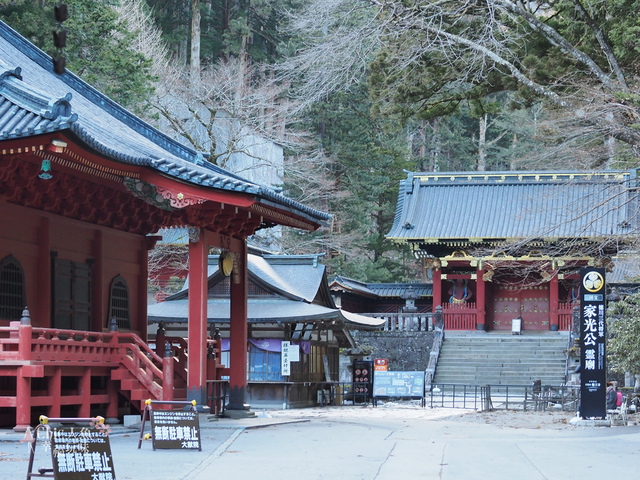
column 365, row 443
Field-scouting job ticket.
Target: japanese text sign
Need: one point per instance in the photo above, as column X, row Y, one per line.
column 81, row 454
column 285, row 365
column 175, row 429
column 593, row 365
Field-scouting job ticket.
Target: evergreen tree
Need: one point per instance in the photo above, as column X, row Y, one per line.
column 97, row 47
column 623, row 343
column 369, row 155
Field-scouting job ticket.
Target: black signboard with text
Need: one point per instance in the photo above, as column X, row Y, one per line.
column 593, row 360
column 81, row 454
column 175, row 429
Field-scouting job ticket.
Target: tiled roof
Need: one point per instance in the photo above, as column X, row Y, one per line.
column 626, row 269
column 513, row 205
column 393, row 290
column 34, row 100
column 294, row 282
column 348, row 284
column 397, row 290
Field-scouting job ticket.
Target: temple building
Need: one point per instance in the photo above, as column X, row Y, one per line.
column 505, row 248
column 83, row 182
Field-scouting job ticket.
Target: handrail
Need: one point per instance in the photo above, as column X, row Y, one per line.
column 55, row 345
column 434, row 355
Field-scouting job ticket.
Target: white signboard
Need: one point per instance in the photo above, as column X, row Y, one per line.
column 294, row 353
column 285, row 365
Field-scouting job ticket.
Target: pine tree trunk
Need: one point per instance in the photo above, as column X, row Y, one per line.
column 194, row 71
column 482, row 144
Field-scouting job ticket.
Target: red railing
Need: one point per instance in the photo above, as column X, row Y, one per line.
column 459, row 316
column 53, row 346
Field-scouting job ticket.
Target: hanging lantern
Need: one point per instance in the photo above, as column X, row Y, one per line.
column 45, row 170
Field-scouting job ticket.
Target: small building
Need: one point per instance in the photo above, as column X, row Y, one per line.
column 365, row 297
column 507, row 246
column 288, row 302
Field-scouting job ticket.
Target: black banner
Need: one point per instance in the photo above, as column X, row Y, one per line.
column 81, row 454
column 593, row 361
column 175, row 429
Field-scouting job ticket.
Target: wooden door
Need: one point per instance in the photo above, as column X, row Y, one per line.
column 529, row 303
column 71, row 295
column 506, row 306
column 534, row 307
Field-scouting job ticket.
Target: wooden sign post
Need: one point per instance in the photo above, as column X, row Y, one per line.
column 77, row 453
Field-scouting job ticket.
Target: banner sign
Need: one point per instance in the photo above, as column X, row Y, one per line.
column 177, row 429
column 593, row 361
column 285, row 359
column 81, row 454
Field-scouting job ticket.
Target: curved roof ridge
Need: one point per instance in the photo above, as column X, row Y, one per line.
column 107, row 127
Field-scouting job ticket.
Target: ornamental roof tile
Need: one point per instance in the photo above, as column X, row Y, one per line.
column 34, row 100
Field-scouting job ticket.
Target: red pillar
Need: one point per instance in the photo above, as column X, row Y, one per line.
column 554, row 292
column 55, row 391
column 437, row 288
column 42, row 317
column 23, row 401
column 84, row 392
column 143, row 290
column 167, row 375
column 238, row 331
column 197, row 335
column 99, row 314
column 480, row 300
column 112, row 406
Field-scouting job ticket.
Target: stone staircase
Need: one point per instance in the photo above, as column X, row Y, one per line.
column 478, row 358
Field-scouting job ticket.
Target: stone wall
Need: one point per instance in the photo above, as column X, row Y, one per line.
column 404, row 351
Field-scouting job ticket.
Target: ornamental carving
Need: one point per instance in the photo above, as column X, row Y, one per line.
column 148, row 193
column 179, row 199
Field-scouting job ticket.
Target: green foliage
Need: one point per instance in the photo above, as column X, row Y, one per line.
column 369, row 157
column 97, row 48
column 247, row 26
column 623, row 343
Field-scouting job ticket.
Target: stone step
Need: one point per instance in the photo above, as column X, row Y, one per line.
column 526, row 354
column 501, row 360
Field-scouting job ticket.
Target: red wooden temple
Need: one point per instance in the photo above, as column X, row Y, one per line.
column 82, row 185
column 505, row 246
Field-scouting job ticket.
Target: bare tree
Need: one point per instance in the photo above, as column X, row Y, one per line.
column 478, row 39
column 236, row 110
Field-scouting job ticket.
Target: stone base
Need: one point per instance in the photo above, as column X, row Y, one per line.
column 581, row 422
column 239, row 413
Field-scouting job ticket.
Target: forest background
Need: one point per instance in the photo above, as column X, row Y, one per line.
column 358, row 91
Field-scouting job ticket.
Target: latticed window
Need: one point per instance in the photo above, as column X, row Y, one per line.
column 119, row 302
column 12, row 291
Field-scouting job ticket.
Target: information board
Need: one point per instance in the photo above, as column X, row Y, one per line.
column 81, row 454
column 175, row 429
column 398, row 384
column 593, row 356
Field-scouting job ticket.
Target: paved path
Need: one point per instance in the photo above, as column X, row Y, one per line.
column 369, row 445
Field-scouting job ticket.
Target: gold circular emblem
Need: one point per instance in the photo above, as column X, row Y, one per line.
column 593, row 281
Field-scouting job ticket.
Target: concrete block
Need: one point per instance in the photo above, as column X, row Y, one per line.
column 132, row 421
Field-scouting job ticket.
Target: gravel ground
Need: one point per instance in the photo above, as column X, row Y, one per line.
column 550, row 420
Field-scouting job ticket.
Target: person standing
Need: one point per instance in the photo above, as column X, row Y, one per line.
column 612, row 397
